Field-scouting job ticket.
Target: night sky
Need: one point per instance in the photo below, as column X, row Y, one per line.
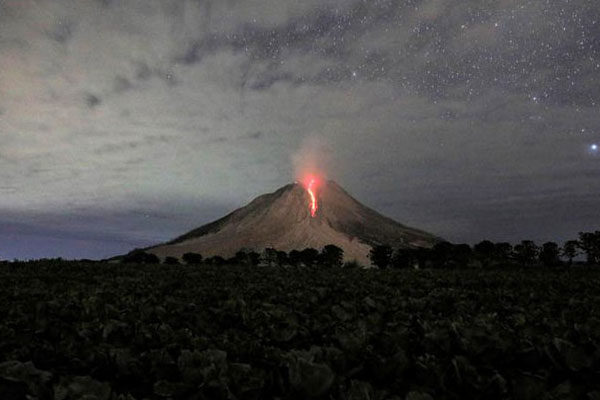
column 126, row 123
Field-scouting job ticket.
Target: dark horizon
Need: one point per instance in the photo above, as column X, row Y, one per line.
column 128, row 123
column 51, row 242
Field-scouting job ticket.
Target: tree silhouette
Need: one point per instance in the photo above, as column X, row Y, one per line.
column 192, row 258
column 241, row 258
column 309, row 256
column 294, row 257
column 403, row 258
column 503, row 252
column 332, row 256
column 484, row 251
column 215, row 260
column 423, row 257
column 282, row 258
column 550, row 254
column 589, row 242
column 171, row 261
column 254, row 258
column 381, row 256
column 138, row 256
column 570, row 250
column 526, row 252
column 441, row 253
column 461, row 255
column 246, row 257
column 352, row 264
column 270, row 256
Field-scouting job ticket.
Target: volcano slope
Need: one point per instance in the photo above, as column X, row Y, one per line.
column 282, row 220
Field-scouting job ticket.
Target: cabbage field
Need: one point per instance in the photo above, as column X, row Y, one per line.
column 104, row 331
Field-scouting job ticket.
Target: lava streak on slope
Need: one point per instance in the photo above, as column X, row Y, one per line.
column 311, row 183
column 313, row 198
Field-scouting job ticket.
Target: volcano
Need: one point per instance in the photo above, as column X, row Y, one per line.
column 295, row 217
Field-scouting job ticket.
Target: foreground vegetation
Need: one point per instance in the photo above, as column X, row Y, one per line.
column 71, row 330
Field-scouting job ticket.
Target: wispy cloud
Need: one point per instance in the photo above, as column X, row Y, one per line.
column 106, row 103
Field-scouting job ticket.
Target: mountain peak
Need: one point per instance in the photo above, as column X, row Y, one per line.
column 284, row 220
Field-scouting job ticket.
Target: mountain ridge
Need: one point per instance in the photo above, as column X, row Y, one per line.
column 282, row 220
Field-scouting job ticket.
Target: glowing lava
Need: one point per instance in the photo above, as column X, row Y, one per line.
column 311, row 184
column 313, row 199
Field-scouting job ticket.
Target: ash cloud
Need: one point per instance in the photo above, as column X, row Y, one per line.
column 312, row 158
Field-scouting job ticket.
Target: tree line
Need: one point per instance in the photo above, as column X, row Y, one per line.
column 329, row 256
column 484, row 254
column 488, row 254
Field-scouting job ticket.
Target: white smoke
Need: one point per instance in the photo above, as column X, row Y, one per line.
column 313, row 158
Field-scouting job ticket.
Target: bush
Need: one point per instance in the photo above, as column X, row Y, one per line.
column 331, row 256
column 140, row 257
column 171, row 261
column 192, row 258
column 352, row 264
column 381, row 256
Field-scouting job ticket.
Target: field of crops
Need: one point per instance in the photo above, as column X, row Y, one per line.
column 70, row 330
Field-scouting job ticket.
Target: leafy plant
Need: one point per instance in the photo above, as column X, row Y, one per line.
column 72, row 330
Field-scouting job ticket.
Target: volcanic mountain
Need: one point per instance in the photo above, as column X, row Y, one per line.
column 284, row 220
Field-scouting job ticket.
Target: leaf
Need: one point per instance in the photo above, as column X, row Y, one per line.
column 370, row 302
column 595, row 395
column 575, row 357
column 360, row 390
column 12, row 390
column 81, row 387
column 418, row 396
column 563, row 391
column 313, row 379
column 245, row 378
column 36, row 381
column 527, row 387
column 170, row 389
column 340, row 313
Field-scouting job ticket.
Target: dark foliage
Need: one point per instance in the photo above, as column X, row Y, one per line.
column 589, row 242
column 140, row 257
column 461, row 255
column 503, row 252
column 441, row 254
column 294, row 257
column 270, row 255
column 331, row 256
column 101, row 331
column 247, row 258
column 526, row 253
column 171, row 260
column 484, row 252
column 282, row 258
column 381, row 256
column 404, row 258
column 550, row 254
column 353, row 264
column 570, row 250
column 215, row 260
column 253, row 258
column 309, row 256
column 192, row 258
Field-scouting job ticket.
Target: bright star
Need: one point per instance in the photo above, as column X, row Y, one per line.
column 594, row 147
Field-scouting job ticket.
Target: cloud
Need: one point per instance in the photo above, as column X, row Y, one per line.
column 92, row 100
column 62, row 31
column 106, row 103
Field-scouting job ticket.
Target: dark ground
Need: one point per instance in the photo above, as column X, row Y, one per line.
column 70, row 330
